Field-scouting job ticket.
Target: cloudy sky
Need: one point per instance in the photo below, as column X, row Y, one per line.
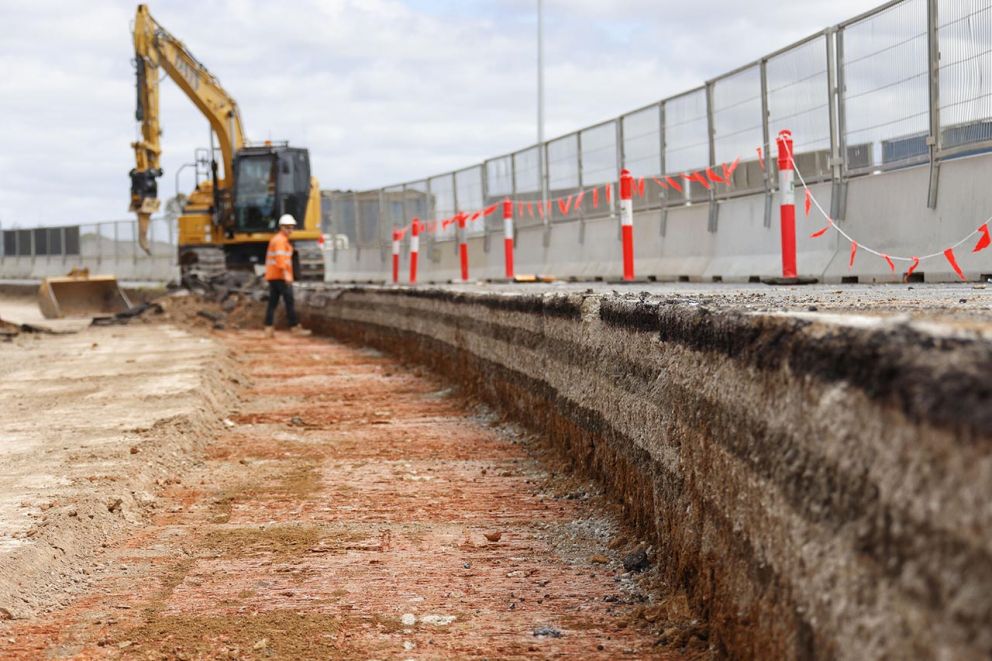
column 380, row 91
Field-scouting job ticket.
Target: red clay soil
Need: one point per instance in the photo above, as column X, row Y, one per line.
column 359, row 509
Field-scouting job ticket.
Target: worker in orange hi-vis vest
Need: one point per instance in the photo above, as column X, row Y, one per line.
column 279, row 274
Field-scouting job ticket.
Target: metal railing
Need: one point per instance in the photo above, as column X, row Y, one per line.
column 906, row 83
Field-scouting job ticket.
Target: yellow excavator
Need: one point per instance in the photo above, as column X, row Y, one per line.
column 227, row 221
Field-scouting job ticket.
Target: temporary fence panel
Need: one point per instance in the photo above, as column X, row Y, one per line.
column 563, row 174
column 527, row 177
column 600, row 166
column 369, row 235
column 738, row 129
column 499, row 185
column 641, row 131
column 798, row 90
column 471, row 196
column 687, row 144
column 393, row 211
column 964, row 34
column 443, row 195
column 416, row 201
column 886, row 96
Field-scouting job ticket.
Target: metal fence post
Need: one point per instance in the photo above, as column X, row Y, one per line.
column 662, row 194
column 545, row 186
column 454, row 197
column 711, row 132
column 358, row 225
column 841, row 104
column 380, row 224
column 933, row 140
column 484, row 182
column 620, row 156
column 580, row 209
column 766, row 140
column 838, row 187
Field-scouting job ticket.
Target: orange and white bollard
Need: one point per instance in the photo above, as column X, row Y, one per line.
column 627, row 222
column 396, row 256
column 786, row 187
column 414, row 248
column 508, row 236
column 463, row 245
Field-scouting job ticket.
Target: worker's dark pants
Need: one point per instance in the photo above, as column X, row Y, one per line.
column 284, row 289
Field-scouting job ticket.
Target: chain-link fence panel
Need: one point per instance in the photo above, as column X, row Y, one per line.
column 738, row 130
column 964, row 34
column 886, row 95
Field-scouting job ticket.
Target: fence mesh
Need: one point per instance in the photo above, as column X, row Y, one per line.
column 887, row 98
column 964, row 32
column 799, row 100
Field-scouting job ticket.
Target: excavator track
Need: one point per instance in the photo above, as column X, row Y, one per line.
column 203, row 262
column 311, row 265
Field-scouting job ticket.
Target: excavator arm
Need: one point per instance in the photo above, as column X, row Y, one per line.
column 156, row 48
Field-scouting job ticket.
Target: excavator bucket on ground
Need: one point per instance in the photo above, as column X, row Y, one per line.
column 80, row 294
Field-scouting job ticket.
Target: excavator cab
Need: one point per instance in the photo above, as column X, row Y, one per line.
column 269, row 181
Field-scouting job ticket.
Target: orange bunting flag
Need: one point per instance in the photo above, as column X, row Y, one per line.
column 540, row 210
column 530, row 209
column 985, row 241
column 916, row 262
column 854, row 251
column 888, row 260
column 761, row 158
column 661, row 184
column 949, row 254
column 640, row 187
column 674, row 184
column 714, row 177
column 488, row 211
column 565, row 205
column 547, row 211
column 809, row 202
column 728, row 170
column 475, row 216
column 697, row 176
column 578, row 200
column 595, row 198
column 609, row 193
column 819, row 233
column 520, row 209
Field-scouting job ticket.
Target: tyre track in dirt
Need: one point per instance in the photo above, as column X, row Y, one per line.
column 355, row 508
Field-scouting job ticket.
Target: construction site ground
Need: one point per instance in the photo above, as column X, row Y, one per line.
column 170, row 490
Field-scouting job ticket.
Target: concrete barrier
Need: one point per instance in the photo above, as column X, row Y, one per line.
column 886, row 211
column 822, row 490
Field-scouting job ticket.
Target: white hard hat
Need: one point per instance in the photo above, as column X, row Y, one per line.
column 287, row 220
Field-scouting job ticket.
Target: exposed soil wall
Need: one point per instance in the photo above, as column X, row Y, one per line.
column 820, row 489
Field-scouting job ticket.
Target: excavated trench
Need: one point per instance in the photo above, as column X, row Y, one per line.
column 821, row 487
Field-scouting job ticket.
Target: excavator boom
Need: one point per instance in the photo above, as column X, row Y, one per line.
column 154, row 48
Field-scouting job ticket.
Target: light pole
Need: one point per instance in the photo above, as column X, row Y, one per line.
column 542, row 153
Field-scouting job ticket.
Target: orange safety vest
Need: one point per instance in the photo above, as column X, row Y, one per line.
column 279, row 259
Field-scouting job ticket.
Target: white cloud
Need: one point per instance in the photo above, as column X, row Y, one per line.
column 381, row 91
